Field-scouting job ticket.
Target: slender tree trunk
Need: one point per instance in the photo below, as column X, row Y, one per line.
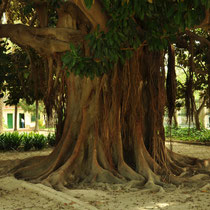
column 16, row 116
column 198, row 111
column 202, row 117
column 175, row 119
column 197, row 121
column 1, row 115
column 37, row 117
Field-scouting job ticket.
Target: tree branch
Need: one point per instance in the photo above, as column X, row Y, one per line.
column 95, row 14
column 202, row 105
column 206, row 22
column 197, row 37
column 44, row 40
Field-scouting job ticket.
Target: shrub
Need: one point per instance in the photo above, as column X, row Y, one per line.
column 11, row 141
column 51, row 139
column 187, row 134
column 27, row 141
column 39, row 141
column 1, row 141
column 205, row 136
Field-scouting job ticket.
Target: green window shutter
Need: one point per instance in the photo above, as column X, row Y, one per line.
column 10, row 120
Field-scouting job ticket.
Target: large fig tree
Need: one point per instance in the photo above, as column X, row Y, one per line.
column 104, row 74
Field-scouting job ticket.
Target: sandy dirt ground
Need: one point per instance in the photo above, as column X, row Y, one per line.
column 20, row 195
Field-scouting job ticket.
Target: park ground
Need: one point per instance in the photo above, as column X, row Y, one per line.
column 20, row 195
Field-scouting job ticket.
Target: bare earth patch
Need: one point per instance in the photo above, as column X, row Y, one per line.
column 20, row 195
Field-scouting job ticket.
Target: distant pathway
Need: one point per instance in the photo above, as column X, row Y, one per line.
column 198, row 151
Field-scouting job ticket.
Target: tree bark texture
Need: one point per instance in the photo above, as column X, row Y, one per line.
column 175, row 119
column 1, row 115
column 16, row 116
column 37, row 117
column 197, row 112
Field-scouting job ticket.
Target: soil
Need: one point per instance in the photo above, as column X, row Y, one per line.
column 20, row 195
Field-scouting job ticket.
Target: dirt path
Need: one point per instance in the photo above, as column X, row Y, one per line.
column 21, row 195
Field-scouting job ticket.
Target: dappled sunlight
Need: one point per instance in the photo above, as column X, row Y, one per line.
column 153, row 205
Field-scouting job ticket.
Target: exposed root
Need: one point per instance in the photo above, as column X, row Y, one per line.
column 7, row 166
column 108, row 177
column 56, row 180
column 129, row 173
column 151, row 186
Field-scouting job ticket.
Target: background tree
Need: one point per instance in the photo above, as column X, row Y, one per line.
column 4, row 61
column 19, row 78
column 34, row 110
column 1, row 115
column 193, row 60
column 108, row 87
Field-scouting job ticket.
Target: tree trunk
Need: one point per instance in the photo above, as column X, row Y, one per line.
column 202, row 117
column 175, row 119
column 198, row 111
column 16, row 113
column 113, row 130
column 197, row 121
column 1, row 115
column 37, row 117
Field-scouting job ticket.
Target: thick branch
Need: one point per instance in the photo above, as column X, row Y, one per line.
column 202, row 105
column 44, row 40
column 206, row 22
column 95, row 14
column 197, row 37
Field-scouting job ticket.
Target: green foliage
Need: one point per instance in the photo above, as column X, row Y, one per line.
column 39, row 141
column 88, row 3
column 22, row 12
column 194, row 81
column 51, row 139
column 10, row 141
column 205, row 136
column 27, row 141
column 17, row 76
column 31, row 108
column 4, row 63
column 133, row 23
column 186, row 134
